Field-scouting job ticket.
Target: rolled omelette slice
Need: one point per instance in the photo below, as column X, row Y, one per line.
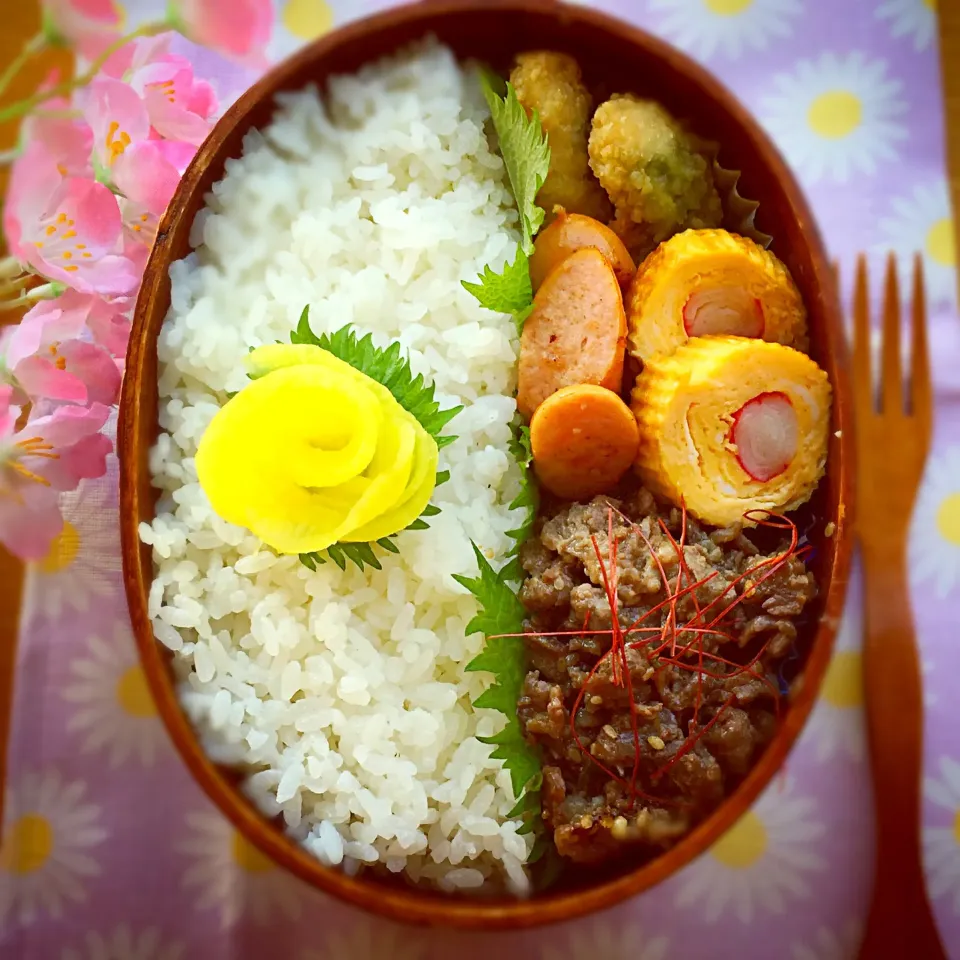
column 729, row 425
column 711, row 282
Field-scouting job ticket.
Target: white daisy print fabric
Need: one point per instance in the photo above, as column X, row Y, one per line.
column 612, row 941
column 762, row 864
column 110, row 850
column 729, row 28
column 227, row 875
column 941, row 844
column 837, row 725
column 83, row 564
column 914, row 20
column 920, row 221
column 49, row 849
column 826, row 943
column 837, row 116
column 371, row 940
column 125, row 944
column 114, row 710
column 935, row 535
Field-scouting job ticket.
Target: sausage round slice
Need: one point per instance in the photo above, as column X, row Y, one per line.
column 576, row 332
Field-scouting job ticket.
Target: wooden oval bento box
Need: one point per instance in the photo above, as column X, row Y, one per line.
column 613, row 56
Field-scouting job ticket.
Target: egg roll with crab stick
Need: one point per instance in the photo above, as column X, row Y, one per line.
column 704, row 282
column 730, row 425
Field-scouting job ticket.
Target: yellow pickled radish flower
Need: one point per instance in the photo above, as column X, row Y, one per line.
column 313, row 453
column 711, row 282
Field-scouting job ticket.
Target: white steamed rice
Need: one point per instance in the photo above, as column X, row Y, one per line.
column 344, row 692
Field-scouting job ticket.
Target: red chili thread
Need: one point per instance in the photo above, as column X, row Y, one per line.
column 669, row 633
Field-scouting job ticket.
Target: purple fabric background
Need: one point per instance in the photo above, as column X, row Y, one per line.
column 111, row 851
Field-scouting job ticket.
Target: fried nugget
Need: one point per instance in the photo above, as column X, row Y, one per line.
column 550, row 83
column 652, row 171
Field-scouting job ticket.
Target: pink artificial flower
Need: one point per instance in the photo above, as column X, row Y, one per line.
column 89, row 26
column 110, row 325
column 239, row 30
column 179, row 106
column 66, row 137
column 147, row 173
column 49, row 455
column 70, row 141
column 67, row 229
column 48, row 359
column 118, row 118
column 132, row 58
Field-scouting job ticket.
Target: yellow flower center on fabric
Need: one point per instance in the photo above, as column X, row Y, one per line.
column 307, row 19
column 835, row 114
column 63, row 551
column 948, row 519
column 843, row 686
column 942, row 242
column 133, row 694
column 27, row 845
column 728, row 8
column 313, row 453
column 743, row 845
column 248, row 857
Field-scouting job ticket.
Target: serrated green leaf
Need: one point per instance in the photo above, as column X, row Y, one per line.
column 419, row 524
column 501, row 613
column 336, row 554
column 529, row 496
column 386, row 366
column 360, row 553
column 442, row 476
column 519, row 443
column 525, row 151
column 388, row 545
column 507, row 292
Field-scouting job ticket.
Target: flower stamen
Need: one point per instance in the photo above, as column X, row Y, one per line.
column 29, row 474
column 116, row 141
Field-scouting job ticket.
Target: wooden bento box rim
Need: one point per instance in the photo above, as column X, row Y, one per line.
column 470, row 25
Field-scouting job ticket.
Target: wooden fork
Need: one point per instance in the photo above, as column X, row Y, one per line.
column 894, row 424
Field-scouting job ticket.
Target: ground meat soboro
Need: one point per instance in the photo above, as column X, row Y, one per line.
column 692, row 735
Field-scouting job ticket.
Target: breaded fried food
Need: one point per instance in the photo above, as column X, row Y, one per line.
column 550, row 83
column 651, row 169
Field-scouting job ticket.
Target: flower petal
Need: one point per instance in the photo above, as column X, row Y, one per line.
column 95, row 368
column 117, row 116
column 240, row 30
column 34, row 178
column 110, row 328
column 67, row 425
column 9, row 412
column 41, row 378
column 147, row 173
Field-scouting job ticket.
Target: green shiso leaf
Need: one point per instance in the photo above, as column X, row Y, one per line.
column 500, row 613
column 507, row 292
column 526, row 157
column 525, row 151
